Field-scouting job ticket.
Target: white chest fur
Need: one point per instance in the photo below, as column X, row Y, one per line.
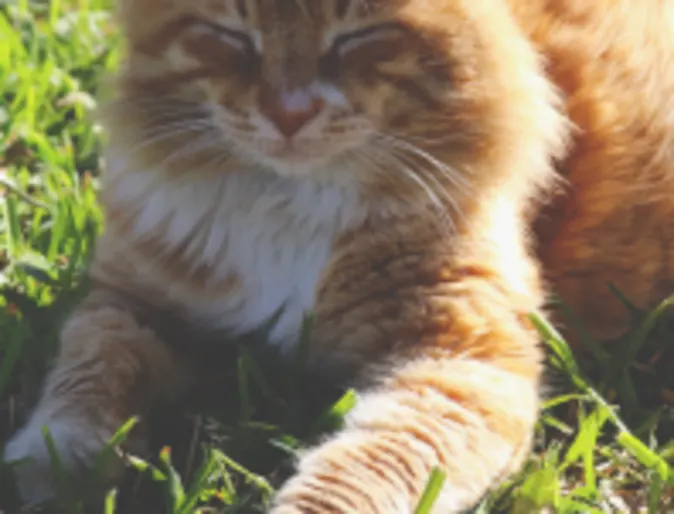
column 274, row 235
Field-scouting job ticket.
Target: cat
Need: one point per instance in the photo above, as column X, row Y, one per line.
column 417, row 174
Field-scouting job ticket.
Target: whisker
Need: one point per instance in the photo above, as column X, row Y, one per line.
column 161, row 101
column 191, row 148
column 156, row 110
column 384, row 163
column 169, row 131
column 410, row 176
column 428, row 174
column 456, row 178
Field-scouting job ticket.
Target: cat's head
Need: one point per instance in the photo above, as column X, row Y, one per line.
column 295, row 85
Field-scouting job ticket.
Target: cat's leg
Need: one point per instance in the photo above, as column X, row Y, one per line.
column 451, row 379
column 109, row 369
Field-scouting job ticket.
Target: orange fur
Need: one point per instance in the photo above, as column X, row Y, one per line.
column 271, row 153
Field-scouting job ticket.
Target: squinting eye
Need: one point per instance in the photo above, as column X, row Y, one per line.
column 353, row 40
column 234, row 38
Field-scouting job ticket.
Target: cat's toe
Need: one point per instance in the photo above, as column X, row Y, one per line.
column 76, row 442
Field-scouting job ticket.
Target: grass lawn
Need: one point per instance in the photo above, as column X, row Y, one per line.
column 605, row 442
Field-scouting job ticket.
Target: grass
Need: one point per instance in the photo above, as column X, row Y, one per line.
column 604, row 442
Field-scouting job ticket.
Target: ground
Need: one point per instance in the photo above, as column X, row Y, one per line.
column 604, row 442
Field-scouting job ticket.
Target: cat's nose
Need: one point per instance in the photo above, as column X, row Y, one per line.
column 290, row 110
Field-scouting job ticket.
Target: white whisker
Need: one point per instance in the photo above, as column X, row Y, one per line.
column 168, row 131
column 191, row 148
column 436, row 180
column 439, row 188
column 385, row 163
column 457, row 179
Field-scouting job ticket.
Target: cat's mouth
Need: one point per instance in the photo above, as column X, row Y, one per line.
column 296, row 157
column 291, row 151
column 290, row 161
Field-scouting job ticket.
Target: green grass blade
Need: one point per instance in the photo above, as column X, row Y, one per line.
column 110, row 505
column 103, row 459
column 431, row 492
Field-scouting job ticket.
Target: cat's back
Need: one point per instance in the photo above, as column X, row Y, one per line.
column 618, row 43
column 613, row 61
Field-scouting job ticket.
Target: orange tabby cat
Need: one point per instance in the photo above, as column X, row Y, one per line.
column 381, row 163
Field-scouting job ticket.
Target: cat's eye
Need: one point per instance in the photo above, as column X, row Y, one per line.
column 376, row 33
column 232, row 37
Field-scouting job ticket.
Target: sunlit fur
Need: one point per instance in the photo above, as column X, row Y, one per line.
column 418, row 173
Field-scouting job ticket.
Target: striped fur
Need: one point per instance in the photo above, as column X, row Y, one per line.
column 414, row 172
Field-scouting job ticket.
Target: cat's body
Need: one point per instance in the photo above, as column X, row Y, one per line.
column 388, row 179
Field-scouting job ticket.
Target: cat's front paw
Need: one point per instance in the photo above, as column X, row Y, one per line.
column 356, row 472
column 77, row 442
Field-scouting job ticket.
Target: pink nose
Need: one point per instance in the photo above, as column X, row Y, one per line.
column 289, row 111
